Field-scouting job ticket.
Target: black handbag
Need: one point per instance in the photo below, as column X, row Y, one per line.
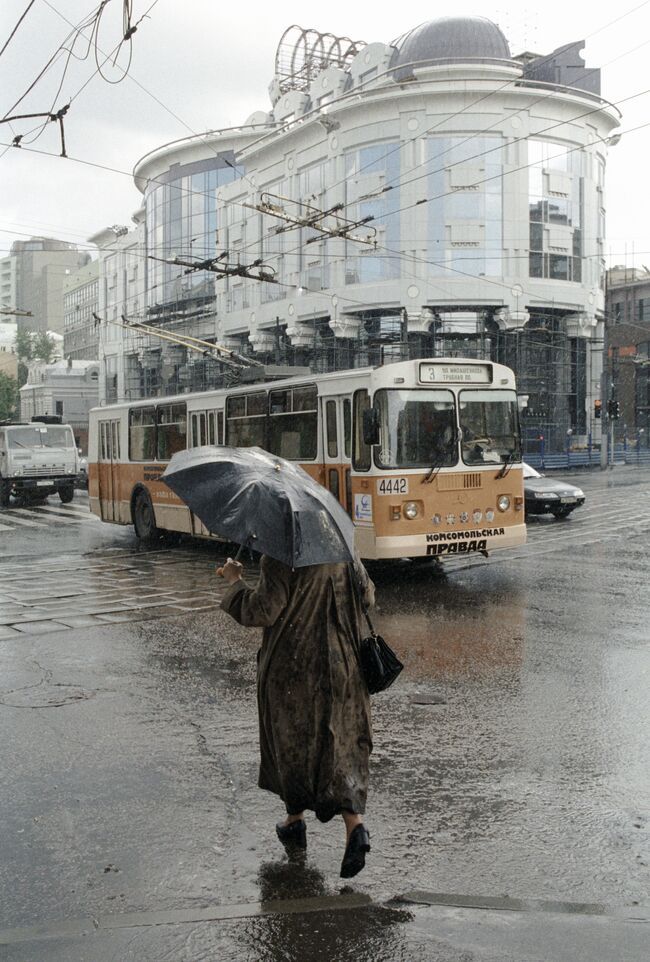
column 380, row 666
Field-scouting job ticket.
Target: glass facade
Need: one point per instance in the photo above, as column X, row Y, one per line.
column 181, row 218
column 556, row 211
column 465, row 212
column 368, row 171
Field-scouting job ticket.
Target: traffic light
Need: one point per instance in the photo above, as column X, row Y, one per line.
column 613, row 409
column 598, row 405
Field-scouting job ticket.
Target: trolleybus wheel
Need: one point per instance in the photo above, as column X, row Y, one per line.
column 66, row 493
column 5, row 493
column 144, row 518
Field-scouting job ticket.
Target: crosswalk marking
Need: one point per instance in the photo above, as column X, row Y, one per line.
column 11, row 516
column 72, row 514
column 44, row 516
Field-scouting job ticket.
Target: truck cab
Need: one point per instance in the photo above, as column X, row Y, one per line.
column 37, row 459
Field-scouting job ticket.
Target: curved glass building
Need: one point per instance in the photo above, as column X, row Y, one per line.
column 434, row 195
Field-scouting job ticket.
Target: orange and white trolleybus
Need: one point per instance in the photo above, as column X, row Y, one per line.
column 425, row 455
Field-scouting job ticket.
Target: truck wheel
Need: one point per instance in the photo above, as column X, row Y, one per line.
column 5, row 493
column 144, row 518
column 66, row 493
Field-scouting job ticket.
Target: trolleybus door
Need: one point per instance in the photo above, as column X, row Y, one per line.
column 337, row 440
column 109, row 458
column 206, row 427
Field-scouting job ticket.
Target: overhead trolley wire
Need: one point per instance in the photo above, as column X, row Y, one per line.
column 13, row 32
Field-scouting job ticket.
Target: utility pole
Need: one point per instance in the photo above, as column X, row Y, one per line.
column 604, row 395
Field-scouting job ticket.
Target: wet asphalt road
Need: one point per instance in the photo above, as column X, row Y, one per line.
column 510, row 785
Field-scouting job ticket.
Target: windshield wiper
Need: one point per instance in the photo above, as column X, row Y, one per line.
column 443, row 455
column 508, row 461
column 434, row 469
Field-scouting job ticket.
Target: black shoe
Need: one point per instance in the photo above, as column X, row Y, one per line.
column 293, row 835
column 354, row 858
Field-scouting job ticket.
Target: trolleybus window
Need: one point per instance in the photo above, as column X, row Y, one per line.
column 172, row 430
column 246, row 420
column 361, row 454
column 347, row 427
column 293, row 423
column 417, row 429
column 332, row 440
column 199, row 433
column 489, row 422
column 142, row 434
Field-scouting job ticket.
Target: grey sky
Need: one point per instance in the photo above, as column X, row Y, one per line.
column 210, row 64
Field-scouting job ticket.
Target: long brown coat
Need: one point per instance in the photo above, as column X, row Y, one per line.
column 314, row 710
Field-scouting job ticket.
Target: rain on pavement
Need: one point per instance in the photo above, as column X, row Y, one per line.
column 509, row 791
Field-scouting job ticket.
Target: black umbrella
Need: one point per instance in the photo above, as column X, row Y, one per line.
column 263, row 502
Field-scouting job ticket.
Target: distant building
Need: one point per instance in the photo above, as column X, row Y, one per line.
column 67, row 388
column 628, row 340
column 8, row 359
column 122, row 273
column 42, row 265
column 8, row 283
column 80, row 305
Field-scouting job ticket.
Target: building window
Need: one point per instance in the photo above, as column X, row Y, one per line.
column 556, row 204
column 369, row 171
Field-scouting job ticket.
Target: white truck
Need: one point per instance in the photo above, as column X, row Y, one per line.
column 37, row 459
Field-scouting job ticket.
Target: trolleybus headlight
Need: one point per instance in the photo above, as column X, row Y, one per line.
column 411, row 510
column 503, row 502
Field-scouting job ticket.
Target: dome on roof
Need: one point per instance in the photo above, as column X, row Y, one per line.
column 452, row 38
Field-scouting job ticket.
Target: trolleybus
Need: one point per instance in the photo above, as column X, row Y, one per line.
column 425, row 455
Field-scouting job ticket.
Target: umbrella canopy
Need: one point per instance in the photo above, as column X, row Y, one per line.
column 264, row 502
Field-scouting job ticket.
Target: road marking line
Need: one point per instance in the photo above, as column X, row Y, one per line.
column 35, row 513
column 32, row 524
column 70, row 513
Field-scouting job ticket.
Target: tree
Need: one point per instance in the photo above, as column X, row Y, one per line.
column 23, row 344
column 8, row 396
column 43, row 347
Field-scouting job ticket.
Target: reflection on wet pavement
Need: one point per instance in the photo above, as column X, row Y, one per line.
column 361, row 933
column 444, row 630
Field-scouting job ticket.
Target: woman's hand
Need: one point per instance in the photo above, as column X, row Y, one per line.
column 231, row 571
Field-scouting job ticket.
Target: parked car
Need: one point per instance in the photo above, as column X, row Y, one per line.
column 547, row 496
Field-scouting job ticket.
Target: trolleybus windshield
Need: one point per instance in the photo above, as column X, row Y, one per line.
column 416, row 429
column 489, row 424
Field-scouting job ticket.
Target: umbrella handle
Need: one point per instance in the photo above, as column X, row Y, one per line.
column 238, row 555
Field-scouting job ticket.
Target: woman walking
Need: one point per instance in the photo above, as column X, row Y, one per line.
column 314, row 710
